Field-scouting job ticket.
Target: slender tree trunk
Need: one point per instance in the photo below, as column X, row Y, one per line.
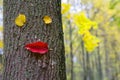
column 21, row 64
column 71, row 50
column 88, row 68
column 83, row 60
column 99, row 66
column 88, row 74
column 116, row 60
column 107, row 71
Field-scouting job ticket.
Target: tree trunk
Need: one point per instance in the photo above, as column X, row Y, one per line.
column 99, row 65
column 89, row 73
column 107, row 67
column 21, row 64
column 71, row 50
column 83, row 60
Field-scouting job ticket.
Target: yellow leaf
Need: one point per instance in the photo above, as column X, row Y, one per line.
column 20, row 20
column 47, row 19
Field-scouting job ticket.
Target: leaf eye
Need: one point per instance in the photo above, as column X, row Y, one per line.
column 47, row 19
column 20, row 20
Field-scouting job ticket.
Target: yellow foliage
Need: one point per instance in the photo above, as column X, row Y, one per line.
column 97, row 4
column 87, row 36
column 111, row 12
column 118, row 76
column 90, row 41
column 20, row 20
column 94, row 25
column 1, row 28
column 85, row 24
column 112, row 55
column 99, row 17
column 64, row 26
column 82, row 31
column 65, row 8
column 1, row 66
column 68, row 16
column 1, row 44
column 80, row 18
column 47, row 19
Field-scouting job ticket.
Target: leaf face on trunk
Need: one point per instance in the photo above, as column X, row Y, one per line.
column 20, row 20
column 47, row 19
column 37, row 47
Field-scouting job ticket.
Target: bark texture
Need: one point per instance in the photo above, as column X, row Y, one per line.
column 21, row 64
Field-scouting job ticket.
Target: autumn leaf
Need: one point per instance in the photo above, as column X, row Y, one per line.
column 37, row 47
column 47, row 19
column 20, row 20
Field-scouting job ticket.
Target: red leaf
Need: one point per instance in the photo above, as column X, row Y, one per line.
column 37, row 47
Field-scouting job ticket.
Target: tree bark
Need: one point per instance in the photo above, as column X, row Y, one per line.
column 21, row 64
